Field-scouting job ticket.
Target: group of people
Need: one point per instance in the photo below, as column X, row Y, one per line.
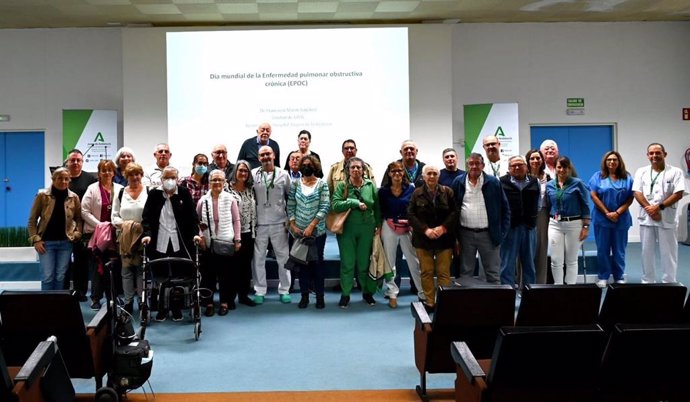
column 508, row 211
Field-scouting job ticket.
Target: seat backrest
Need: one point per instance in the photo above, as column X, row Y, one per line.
column 29, row 317
column 646, row 362
column 469, row 314
column 559, row 305
column 6, row 383
column 635, row 303
column 546, row 364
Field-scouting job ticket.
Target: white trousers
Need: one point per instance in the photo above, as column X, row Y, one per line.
column 667, row 239
column 279, row 239
column 564, row 239
column 390, row 242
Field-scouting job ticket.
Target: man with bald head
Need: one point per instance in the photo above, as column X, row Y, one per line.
column 272, row 187
column 220, row 161
column 496, row 164
column 250, row 148
column 413, row 167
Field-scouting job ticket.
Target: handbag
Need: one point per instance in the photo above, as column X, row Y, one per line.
column 335, row 221
column 217, row 246
column 399, row 227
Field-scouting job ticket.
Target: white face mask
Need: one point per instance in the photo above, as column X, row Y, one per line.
column 169, row 184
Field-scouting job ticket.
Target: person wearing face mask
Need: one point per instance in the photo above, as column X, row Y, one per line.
column 170, row 228
column 197, row 183
column 307, row 206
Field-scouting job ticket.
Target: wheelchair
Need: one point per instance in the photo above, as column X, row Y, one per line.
column 176, row 277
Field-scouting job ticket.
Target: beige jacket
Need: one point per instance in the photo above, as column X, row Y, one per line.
column 378, row 262
column 42, row 210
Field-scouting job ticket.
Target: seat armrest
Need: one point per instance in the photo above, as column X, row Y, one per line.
column 464, row 358
column 37, row 362
column 99, row 319
column 420, row 315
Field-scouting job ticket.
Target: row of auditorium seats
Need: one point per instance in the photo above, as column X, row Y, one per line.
column 42, row 378
column 475, row 314
column 635, row 363
column 29, row 317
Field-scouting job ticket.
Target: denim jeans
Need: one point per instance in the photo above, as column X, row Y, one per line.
column 520, row 243
column 54, row 263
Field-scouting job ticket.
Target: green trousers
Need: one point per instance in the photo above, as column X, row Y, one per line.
column 355, row 250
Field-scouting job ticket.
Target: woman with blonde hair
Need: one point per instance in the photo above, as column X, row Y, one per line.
column 54, row 224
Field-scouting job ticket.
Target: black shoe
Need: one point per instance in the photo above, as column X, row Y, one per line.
column 95, row 305
column 82, row 297
column 177, row 315
column 209, row 311
column 369, row 299
column 344, row 301
column 320, row 302
column 232, row 306
column 247, row 301
column 162, row 315
column 304, row 301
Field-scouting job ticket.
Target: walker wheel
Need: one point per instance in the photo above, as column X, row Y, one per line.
column 106, row 394
column 197, row 330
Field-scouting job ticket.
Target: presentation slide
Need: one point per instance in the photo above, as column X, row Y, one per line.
column 336, row 83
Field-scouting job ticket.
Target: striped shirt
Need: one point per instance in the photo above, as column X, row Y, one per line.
column 304, row 205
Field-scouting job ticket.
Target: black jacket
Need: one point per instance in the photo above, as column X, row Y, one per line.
column 424, row 212
column 183, row 209
column 523, row 204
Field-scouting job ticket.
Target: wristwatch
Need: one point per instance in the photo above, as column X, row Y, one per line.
column 662, row 206
column 585, row 226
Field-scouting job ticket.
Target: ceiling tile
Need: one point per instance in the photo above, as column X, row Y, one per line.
column 158, row 9
column 317, row 7
column 396, row 6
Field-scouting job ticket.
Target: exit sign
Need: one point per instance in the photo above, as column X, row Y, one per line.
column 686, row 113
column 575, row 102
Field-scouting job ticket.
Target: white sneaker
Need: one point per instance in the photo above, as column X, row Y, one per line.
column 620, row 281
column 602, row 283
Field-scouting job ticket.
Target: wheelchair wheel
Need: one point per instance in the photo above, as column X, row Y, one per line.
column 106, row 394
column 197, row 330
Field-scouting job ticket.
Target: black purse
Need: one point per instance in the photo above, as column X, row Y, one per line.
column 217, row 246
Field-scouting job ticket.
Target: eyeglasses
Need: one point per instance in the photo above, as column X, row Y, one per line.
column 202, row 163
column 349, row 148
column 162, row 151
column 490, row 144
column 517, row 166
column 219, row 153
column 217, row 180
column 396, row 171
column 242, row 171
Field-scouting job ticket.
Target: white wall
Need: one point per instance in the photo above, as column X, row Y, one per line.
column 43, row 71
column 634, row 75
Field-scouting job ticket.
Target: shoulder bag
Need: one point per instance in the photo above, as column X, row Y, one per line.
column 335, row 221
column 217, row 246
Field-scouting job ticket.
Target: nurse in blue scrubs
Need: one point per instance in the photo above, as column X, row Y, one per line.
column 611, row 191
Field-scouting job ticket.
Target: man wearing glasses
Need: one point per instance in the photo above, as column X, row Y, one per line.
column 152, row 174
column 221, row 162
column 250, row 148
column 413, row 167
column 523, row 193
column 484, row 218
column 498, row 165
column 337, row 172
column 271, row 186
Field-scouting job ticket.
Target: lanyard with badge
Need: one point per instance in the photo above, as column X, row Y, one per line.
column 412, row 173
column 651, row 186
column 495, row 169
column 559, row 198
column 269, row 186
